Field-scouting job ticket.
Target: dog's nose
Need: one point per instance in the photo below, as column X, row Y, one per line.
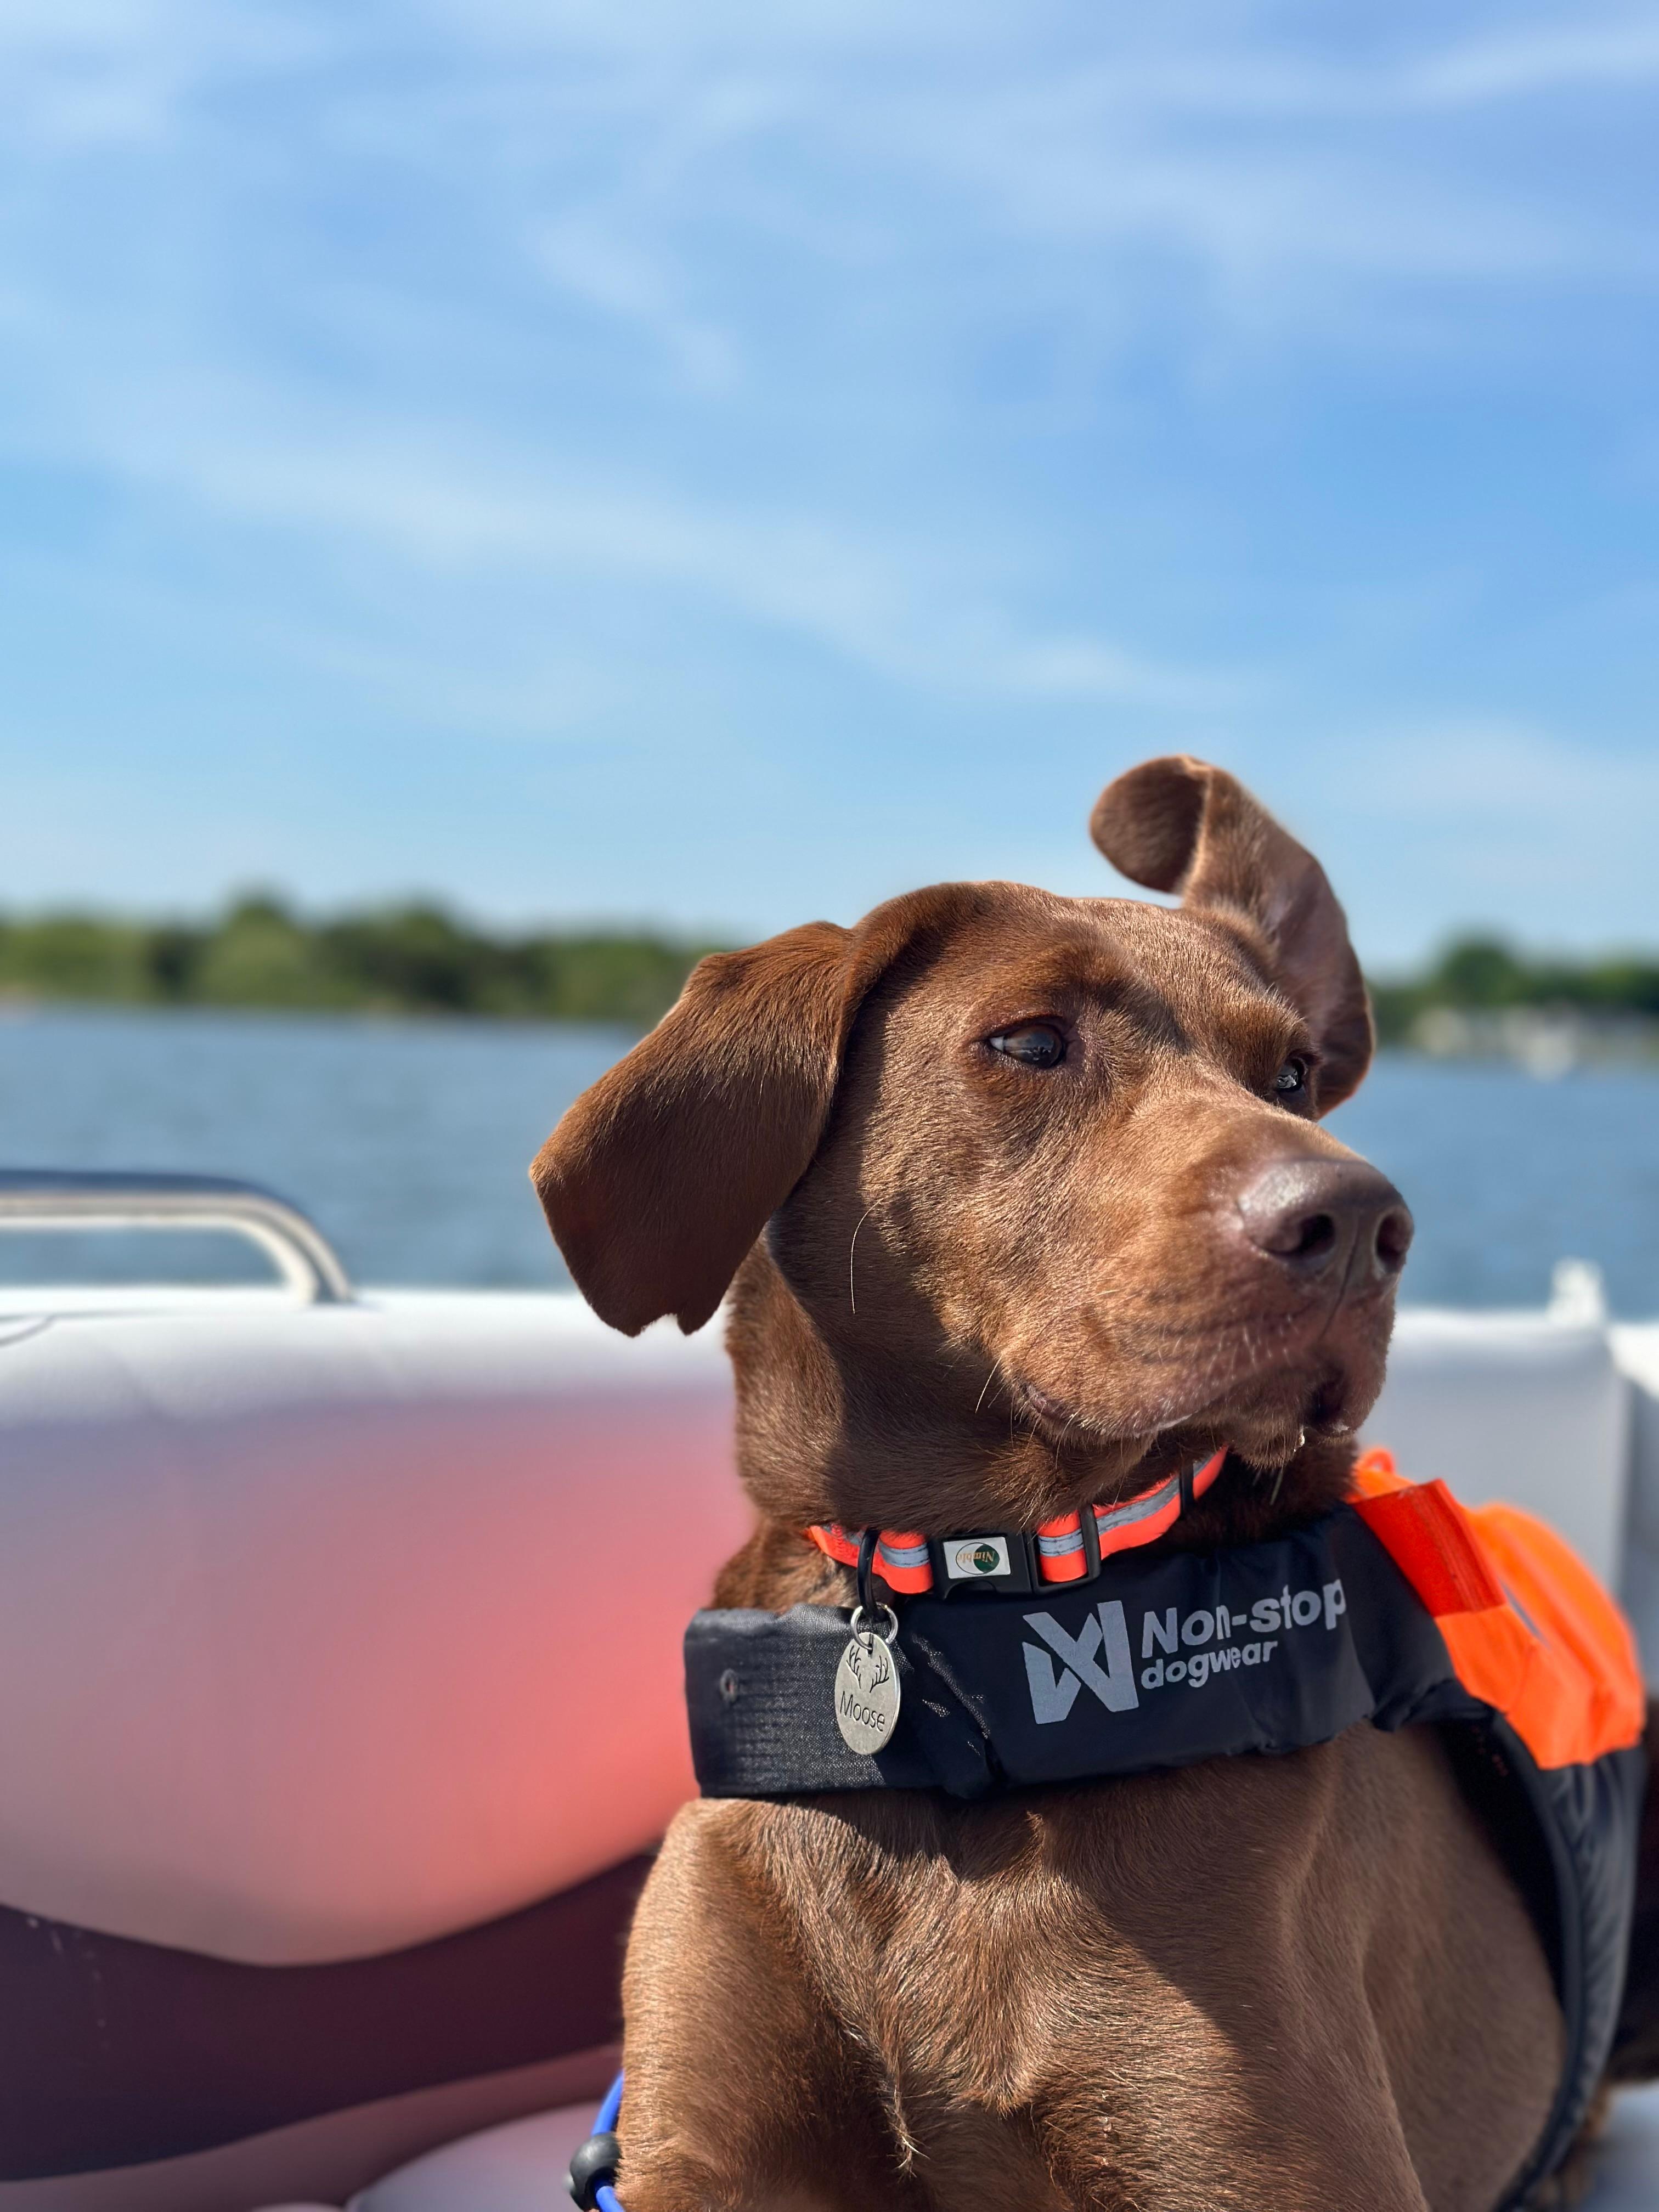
column 1337, row 1218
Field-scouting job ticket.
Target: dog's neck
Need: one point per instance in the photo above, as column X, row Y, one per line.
column 889, row 1442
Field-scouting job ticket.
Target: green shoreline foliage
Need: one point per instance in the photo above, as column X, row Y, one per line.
column 417, row 958
column 1483, row 976
column 414, row 959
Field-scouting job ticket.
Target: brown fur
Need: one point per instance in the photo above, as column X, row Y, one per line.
column 967, row 1291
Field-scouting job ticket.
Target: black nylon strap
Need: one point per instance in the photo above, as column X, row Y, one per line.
column 1165, row 1660
column 866, row 1566
column 754, row 1683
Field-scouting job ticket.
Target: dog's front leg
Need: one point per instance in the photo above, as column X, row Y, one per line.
column 743, row 2092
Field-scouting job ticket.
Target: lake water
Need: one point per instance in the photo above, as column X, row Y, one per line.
column 407, row 1142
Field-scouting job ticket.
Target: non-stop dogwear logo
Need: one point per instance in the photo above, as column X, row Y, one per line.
column 1190, row 1650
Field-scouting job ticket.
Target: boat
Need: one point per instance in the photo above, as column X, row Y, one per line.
column 337, row 1739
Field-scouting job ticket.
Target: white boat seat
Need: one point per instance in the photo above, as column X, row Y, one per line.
column 360, row 1593
column 339, row 1694
column 519, row 2168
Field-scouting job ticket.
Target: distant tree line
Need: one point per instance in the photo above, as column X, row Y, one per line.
column 1484, row 976
column 417, row 958
column 413, row 958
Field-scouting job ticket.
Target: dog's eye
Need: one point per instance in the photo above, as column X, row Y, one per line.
column 1291, row 1080
column 1034, row 1044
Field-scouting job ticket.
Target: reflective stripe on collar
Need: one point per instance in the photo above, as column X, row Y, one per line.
column 903, row 1556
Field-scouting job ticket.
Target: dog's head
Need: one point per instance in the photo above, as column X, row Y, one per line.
column 1025, row 1197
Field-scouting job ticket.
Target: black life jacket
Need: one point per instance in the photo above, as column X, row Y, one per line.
column 1399, row 1608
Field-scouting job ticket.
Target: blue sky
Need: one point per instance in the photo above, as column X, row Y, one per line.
column 725, row 465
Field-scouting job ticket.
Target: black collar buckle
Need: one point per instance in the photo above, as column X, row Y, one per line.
column 1012, row 1561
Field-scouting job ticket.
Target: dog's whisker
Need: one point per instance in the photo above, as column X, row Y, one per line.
column 852, row 1289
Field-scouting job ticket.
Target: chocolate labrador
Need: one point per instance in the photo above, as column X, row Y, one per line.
column 1023, row 1203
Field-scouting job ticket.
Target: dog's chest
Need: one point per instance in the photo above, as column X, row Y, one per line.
column 1144, row 1983
column 1111, row 1926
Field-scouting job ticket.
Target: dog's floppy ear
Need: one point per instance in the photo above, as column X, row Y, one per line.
column 1178, row 824
column 660, row 1178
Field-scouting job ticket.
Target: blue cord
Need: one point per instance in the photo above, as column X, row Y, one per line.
column 604, row 2196
column 606, row 2124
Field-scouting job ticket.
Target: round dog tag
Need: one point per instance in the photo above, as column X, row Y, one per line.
column 867, row 1689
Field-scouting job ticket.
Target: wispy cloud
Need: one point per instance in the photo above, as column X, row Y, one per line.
column 1619, row 53
column 612, row 275
column 903, row 611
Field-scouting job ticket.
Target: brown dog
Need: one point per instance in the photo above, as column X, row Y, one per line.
column 1023, row 1203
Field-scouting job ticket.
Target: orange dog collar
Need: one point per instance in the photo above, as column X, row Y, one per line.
column 1068, row 1550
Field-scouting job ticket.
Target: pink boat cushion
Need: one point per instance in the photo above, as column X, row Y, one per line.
column 327, row 1630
